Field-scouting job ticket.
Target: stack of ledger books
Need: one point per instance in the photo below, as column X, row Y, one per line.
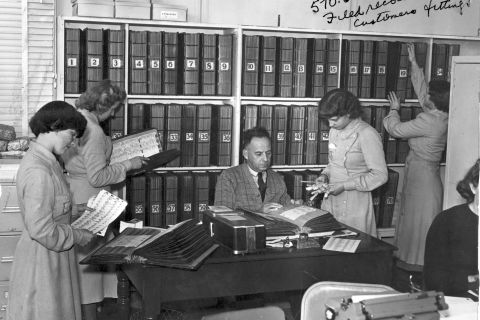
column 291, row 220
column 185, row 246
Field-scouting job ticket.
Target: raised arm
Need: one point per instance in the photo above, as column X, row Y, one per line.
column 418, row 79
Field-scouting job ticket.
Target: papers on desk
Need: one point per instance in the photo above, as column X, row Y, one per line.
column 342, row 245
column 106, row 208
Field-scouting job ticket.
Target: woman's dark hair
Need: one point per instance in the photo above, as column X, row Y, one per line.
column 101, row 97
column 463, row 187
column 57, row 116
column 339, row 102
column 255, row 132
column 439, row 91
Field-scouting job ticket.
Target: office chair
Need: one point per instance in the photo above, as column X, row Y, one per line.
column 262, row 313
column 314, row 299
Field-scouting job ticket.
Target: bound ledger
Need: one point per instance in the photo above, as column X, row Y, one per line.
column 291, row 220
column 185, row 246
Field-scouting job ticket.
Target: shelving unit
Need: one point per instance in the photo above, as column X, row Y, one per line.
column 468, row 46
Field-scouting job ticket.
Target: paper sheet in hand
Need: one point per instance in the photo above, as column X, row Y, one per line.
column 106, row 208
column 342, row 245
column 141, row 144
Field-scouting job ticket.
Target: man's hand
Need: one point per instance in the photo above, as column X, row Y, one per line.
column 271, row 207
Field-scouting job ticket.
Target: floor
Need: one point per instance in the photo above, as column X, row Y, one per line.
column 289, row 302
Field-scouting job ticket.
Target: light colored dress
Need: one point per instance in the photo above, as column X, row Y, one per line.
column 357, row 160
column 422, row 192
column 88, row 172
column 44, row 283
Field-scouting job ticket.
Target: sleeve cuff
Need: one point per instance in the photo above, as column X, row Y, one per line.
column 349, row 185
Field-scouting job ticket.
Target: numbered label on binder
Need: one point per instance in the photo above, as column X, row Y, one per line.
column 187, row 207
column 156, row 208
column 203, row 136
column 287, row 67
column 210, row 66
column 170, row 64
column 139, row 64
column 189, row 136
column 297, row 136
column 139, row 208
column 251, row 66
column 171, row 207
column 353, row 69
column 319, row 68
column 94, row 62
column 280, row 136
column 71, row 62
column 367, row 70
column 155, row 64
column 389, row 200
column 191, row 64
column 333, row 69
column 226, row 137
column 202, row 207
column 312, row 136
column 439, row 72
column 173, row 137
column 403, row 73
column 324, row 136
column 116, row 63
column 382, row 70
column 225, row 66
column 301, row 68
column 268, row 68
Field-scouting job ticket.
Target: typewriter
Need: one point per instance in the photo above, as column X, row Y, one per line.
column 418, row 306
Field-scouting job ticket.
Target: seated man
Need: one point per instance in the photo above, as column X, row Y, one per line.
column 252, row 185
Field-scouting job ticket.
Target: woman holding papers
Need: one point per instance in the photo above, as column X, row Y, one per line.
column 356, row 162
column 422, row 189
column 44, row 282
column 88, row 172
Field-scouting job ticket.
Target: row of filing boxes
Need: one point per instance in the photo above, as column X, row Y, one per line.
column 11, row 226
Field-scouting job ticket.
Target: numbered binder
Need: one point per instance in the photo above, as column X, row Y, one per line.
column 208, row 66
column 221, row 147
column 202, row 194
column 296, row 131
column 204, row 127
column 439, row 61
column 189, row 135
column 185, row 195
column 94, row 56
column 191, row 59
column 265, row 117
column 251, row 57
column 333, row 64
column 138, row 62
column 351, row 64
column 154, row 200
column 285, row 67
column 224, row 70
column 387, row 201
column 170, row 208
column 311, row 135
column 72, row 60
column 366, row 69
column 136, row 197
column 154, row 67
column 249, row 116
column 403, row 73
column 173, row 130
column 116, row 125
column 300, row 58
column 380, row 63
column 279, row 135
column 156, row 120
column 116, row 56
column 319, row 67
column 170, row 63
column 137, row 117
column 268, row 48
column 324, row 131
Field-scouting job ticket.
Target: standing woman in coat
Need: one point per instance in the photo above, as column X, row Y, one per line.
column 356, row 162
column 422, row 191
column 88, row 172
column 44, row 282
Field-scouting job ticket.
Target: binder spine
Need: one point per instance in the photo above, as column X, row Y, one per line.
column 116, row 56
column 202, row 195
column 421, row 58
column 191, row 60
column 173, row 127
column 138, row 62
column 208, row 64
column 268, row 47
column 333, row 64
column 204, row 124
column 185, row 196
column 366, row 69
column 296, row 130
column 72, row 61
column 265, row 117
column 249, row 115
column 170, row 63
column 171, row 201
column 222, row 135
column 224, row 69
column 154, row 62
column 403, row 73
column 137, row 197
column 251, row 52
column 324, row 131
column 136, row 117
column 156, row 120
column 439, row 61
column 311, row 135
column 94, row 56
column 319, row 67
column 380, row 79
column 155, row 200
column 285, row 67
column 188, row 139
column 279, row 135
column 351, row 69
column 301, row 56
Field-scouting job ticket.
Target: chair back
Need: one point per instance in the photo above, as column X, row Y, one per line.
column 314, row 299
column 263, row 313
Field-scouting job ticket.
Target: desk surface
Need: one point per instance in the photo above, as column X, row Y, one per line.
column 275, row 269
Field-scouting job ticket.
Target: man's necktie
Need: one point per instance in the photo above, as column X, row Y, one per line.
column 262, row 186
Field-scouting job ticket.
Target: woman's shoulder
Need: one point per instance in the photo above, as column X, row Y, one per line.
column 366, row 129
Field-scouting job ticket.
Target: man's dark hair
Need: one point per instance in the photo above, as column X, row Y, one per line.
column 57, row 116
column 463, row 187
column 255, row 132
column 439, row 91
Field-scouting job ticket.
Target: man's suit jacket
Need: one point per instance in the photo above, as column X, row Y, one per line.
column 236, row 188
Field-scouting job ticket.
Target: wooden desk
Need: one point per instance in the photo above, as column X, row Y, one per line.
column 225, row 274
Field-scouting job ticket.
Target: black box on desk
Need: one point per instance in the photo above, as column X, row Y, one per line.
column 235, row 230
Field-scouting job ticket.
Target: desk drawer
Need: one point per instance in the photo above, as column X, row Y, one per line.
column 3, row 299
column 7, row 251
